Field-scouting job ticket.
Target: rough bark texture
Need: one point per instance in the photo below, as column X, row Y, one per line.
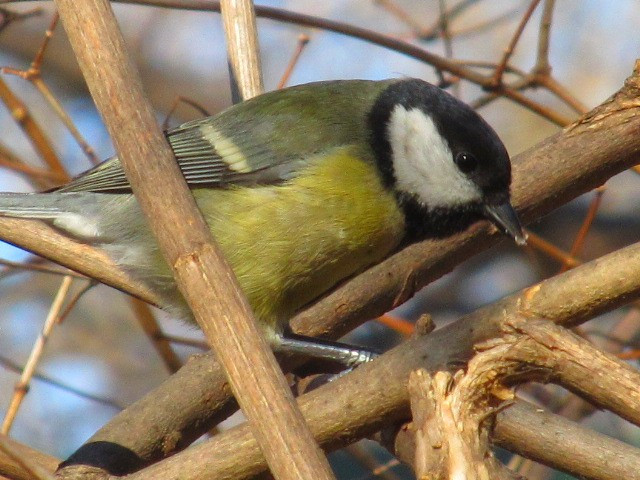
column 203, row 276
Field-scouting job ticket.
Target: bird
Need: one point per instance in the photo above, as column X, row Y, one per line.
column 303, row 188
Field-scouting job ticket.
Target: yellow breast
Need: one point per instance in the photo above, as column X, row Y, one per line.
column 289, row 243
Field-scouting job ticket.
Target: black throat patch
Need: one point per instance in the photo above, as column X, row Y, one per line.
column 423, row 222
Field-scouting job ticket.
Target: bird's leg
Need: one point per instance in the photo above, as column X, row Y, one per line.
column 348, row 355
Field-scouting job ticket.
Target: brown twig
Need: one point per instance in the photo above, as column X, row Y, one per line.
column 32, row 130
column 303, row 41
column 497, row 76
column 34, row 75
column 551, row 250
column 401, row 14
column 41, row 177
column 543, row 67
column 239, row 19
column 370, row 462
column 407, row 48
column 578, row 242
column 190, row 342
column 8, row 16
column 595, row 456
column 14, row 468
column 150, row 326
column 10, row 365
column 35, row 267
column 180, row 99
column 22, row 386
column 396, row 324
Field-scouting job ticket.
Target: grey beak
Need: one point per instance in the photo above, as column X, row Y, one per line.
column 506, row 219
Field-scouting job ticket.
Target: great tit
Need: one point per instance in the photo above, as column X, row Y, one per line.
column 302, row 188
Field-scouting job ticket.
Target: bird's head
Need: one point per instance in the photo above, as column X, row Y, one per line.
column 446, row 165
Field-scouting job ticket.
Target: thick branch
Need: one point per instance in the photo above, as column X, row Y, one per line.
column 202, row 275
column 589, row 454
column 375, row 394
column 593, row 455
column 12, row 469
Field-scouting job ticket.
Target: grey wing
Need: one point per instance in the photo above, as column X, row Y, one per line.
column 207, row 158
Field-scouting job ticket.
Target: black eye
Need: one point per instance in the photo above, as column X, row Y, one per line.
column 466, row 162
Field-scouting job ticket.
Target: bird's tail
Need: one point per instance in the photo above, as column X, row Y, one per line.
column 73, row 212
column 29, row 205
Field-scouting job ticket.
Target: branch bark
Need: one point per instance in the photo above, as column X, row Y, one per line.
column 204, row 278
column 542, row 436
column 375, row 394
column 460, row 410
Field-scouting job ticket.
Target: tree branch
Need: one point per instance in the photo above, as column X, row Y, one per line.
column 375, row 394
column 204, row 278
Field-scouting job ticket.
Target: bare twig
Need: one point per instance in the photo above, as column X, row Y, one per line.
column 34, row 75
column 180, row 99
column 578, row 242
column 150, row 326
column 36, row 267
column 10, row 365
column 241, row 33
column 7, row 17
column 32, row 130
column 595, row 456
column 303, row 40
column 22, row 386
column 551, row 250
column 542, row 66
column 497, row 76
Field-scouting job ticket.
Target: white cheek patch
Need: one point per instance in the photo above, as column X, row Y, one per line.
column 423, row 163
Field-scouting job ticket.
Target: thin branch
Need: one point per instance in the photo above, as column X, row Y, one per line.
column 239, row 19
column 551, row 250
column 595, row 456
column 41, row 177
column 152, row 330
column 8, row 16
column 303, row 41
column 371, row 463
column 32, row 130
column 35, row 267
column 10, row 365
column 21, row 388
column 542, row 66
column 34, row 75
column 578, row 242
column 180, row 99
column 497, row 76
